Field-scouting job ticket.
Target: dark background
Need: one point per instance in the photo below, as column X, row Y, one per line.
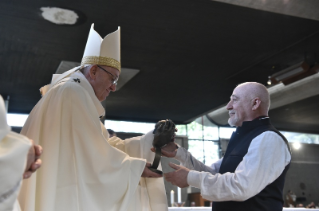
column 191, row 54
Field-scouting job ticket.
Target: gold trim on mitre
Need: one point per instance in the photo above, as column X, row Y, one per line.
column 100, row 60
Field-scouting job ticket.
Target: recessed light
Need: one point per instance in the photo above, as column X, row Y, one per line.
column 62, row 16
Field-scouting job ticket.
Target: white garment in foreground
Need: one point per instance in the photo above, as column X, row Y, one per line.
column 81, row 171
column 13, row 153
column 265, row 160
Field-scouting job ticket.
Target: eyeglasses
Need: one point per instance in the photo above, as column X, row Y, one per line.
column 114, row 79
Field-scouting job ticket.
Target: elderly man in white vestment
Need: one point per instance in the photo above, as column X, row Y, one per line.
column 18, row 159
column 84, row 169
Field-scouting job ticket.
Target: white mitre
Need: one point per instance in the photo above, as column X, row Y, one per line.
column 98, row 51
column 105, row 51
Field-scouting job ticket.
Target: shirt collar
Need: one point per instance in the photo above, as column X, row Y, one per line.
column 249, row 125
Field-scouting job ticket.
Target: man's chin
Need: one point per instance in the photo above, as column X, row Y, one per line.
column 103, row 98
column 231, row 122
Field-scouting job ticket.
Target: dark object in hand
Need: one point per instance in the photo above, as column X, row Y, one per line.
column 164, row 133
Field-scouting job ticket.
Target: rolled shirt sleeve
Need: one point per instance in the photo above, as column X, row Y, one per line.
column 264, row 162
column 186, row 159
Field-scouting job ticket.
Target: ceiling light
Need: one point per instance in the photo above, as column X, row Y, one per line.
column 296, row 145
column 59, row 16
column 269, row 81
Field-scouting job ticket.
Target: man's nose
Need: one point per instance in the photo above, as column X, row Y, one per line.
column 229, row 106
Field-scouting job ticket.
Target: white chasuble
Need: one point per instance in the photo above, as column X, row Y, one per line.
column 80, row 170
column 150, row 193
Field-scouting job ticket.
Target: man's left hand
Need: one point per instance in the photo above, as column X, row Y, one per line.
column 178, row 177
column 169, row 150
column 148, row 173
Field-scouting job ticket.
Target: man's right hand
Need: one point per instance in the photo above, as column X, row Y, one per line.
column 178, row 177
column 169, row 150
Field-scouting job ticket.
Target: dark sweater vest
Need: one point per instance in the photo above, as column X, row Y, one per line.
column 271, row 197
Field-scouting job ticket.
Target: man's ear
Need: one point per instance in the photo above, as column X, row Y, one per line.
column 256, row 103
column 92, row 71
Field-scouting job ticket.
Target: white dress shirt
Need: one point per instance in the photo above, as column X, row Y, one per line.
column 264, row 162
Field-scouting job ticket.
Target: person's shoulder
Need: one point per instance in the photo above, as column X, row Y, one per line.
column 270, row 141
column 70, row 83
column 271, row 135
column 69, row 88
column 270, row 138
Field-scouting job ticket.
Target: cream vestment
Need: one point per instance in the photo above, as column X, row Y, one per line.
column 13, row 153
column 84, row 170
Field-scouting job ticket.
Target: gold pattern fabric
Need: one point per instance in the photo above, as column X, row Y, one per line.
column 100, row 60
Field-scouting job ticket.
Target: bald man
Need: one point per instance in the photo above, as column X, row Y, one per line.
column 251, row 175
